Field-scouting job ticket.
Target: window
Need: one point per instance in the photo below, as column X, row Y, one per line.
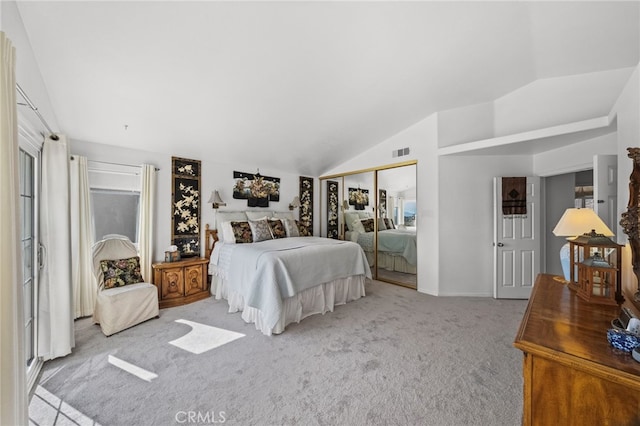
column 115, row 212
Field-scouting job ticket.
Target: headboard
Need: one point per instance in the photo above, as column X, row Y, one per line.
column 210, row 238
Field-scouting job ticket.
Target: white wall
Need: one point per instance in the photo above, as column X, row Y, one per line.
column 215, row 175
column 27, row 70
column 466, row 220
column 575, row 157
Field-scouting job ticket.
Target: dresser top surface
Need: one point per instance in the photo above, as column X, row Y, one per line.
column 558, row 323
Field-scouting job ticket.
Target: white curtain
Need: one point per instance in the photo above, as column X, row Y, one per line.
column 82, row 238
column 55, row 326
column 145, row 225
column 13, row 386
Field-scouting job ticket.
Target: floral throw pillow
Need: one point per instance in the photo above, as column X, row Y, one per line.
column 368, row 225
column 388, row 222
column 277, row 228
column 241, row 232
column 118, row 273
column 260, row 230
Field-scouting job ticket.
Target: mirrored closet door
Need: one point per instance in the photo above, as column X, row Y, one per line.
column 377, row 209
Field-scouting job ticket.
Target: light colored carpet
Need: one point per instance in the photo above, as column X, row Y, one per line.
column 394, row 357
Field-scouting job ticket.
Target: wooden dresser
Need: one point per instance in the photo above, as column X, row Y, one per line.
column 572, row 376
column 181, row 282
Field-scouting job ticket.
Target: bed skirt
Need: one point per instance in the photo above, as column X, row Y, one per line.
column 316, row 300
column 391, row 262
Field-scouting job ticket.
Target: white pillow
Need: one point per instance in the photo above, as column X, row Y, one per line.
column 357, row 226
column 257, row 214
column 381, row 225
column 283, row 215
column 365, row 214
column 226, row 233
column 291, row 228
column 349, row 217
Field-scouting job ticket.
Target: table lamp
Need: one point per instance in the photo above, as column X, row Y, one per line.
column 573, row 223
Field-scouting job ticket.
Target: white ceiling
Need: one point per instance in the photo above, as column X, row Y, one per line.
column 301, row 86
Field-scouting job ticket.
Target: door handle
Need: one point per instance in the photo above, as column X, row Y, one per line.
column 500, row 245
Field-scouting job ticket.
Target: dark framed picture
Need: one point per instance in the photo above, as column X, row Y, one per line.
column 185, row 206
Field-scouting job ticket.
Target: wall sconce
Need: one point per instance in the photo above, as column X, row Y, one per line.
column 215, row 200
column 345, row 205
column 295, row 203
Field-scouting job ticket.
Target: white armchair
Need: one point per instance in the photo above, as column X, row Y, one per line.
column 120, row 307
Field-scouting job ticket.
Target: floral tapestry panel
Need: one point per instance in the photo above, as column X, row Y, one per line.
column 332, row 209
column 185, row 205
column 382, row 199
column 306, row 206
column 255, row 188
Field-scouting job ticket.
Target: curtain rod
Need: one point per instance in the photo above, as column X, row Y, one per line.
column 35, row 109
column 117, row 164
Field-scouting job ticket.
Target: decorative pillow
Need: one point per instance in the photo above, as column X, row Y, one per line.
column 388, row 222
column 241, row 232
column 381, row 225
column 118, row 273
column 368, row 225
column 222, row 222
column 260, row 230
column 357, row 226
column 291, row 227
column 365, row 214
column 277, row 228
column 349, row 218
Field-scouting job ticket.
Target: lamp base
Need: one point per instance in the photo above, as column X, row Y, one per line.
column 565, row 260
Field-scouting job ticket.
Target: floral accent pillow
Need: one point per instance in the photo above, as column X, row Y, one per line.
column 241, row 232
column 120, row 272
column 260, row 230
column 368, row 224
column 291, row 226
column 388, row 222
column 277, row 229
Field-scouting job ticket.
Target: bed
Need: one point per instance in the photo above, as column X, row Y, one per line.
column 396, row 247
column 277, row 281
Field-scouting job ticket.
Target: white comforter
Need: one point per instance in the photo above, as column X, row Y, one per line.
column 267, row 272
column 398, row 241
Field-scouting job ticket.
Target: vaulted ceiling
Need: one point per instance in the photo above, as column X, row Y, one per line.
column 302, row 86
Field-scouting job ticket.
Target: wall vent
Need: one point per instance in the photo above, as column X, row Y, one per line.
column 400, row 152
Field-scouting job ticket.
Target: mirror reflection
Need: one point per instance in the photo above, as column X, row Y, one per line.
column 397, row 249
column 377, row 209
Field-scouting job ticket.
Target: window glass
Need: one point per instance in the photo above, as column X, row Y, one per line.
column 115, row 212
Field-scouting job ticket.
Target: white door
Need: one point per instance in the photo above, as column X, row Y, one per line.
column 516, row 244
column 605, row 189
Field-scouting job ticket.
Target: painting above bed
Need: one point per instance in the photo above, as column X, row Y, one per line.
column 358, row 198
column 258, row 190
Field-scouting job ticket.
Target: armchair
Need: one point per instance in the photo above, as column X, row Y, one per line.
column 123, row 299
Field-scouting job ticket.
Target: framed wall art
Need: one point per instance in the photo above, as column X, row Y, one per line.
column 185, row 206
column 332, row 209
column 358, row 198
column 258, row 190
column 306, row 206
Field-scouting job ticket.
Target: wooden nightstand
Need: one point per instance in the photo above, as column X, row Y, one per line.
column 181, row 282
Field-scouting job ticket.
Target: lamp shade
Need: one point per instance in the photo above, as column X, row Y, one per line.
column 576, row 222
column 296, row 201
column 215, row 199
